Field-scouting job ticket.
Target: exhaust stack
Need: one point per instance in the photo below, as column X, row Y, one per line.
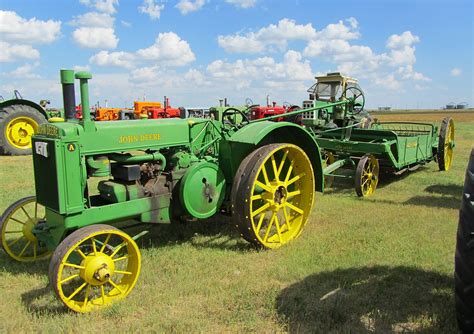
column 69, row 98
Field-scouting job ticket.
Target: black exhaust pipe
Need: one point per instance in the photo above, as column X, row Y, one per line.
column 69, row 96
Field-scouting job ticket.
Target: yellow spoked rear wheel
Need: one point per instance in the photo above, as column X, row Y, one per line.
column 94, row 267
column 366, row 176
column 446, row 144
column 16, row 227
column 328, row 159
column 19, row 131
column 273, row 195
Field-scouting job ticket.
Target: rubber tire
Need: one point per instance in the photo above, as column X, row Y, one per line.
column 464, row 257
column 7, row 114
column 442, row 138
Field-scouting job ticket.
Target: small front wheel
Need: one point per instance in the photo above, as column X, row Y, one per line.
column 16, row 226
column 445, row 144
column 94, row 267
column 366, row 176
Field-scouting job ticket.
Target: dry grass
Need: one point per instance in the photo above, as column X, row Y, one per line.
column 379, row 264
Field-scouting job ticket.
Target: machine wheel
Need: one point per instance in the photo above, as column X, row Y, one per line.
column 328, row 158
column 366, row 175
column 272, row 195
column 464, row 258
column 16, row 227
column 17, row 124
column 446, row 144
column 94, row 267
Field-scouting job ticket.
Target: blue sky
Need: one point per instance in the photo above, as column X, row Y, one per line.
column 404, row 53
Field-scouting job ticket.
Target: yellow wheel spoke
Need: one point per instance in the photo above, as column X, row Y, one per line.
column 24, row 249
column 72, row 265
column 263, row 186
column 118, row 248
column 79, row 289
column 18, row 221
column 269, row 227
column 282, row 162
column 115, row 285
column 255, row 197
column 67, row 279
column 260, row 221
column 296, row 178
column 102, row 293
column 26, row 213
column 86, row 298
column 123, row 272
column 81, row 253
column 105, row 243
column 265, row 175
column 287, row 218
column 294, row 208
column 15, row 241
column 94, row 247
column 277, row 225
column 293, row 193
column 121, row 258
column 288, row 173
column 261, row 209
column 275, row 170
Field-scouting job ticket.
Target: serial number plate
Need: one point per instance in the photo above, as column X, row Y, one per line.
column 41, row 148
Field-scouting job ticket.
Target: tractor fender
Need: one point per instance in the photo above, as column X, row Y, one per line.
column 29, row 103
column 258, row 134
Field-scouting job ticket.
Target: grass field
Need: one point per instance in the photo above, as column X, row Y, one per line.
column 379, row 264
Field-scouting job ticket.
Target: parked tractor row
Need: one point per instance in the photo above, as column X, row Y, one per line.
column 249, row 162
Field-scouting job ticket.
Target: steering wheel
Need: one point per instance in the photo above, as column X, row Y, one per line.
column 287, row 105
column 232, row 121
column 248, row 102
column 357, row 99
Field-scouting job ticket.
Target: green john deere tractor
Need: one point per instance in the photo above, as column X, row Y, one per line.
column 263, row 173
column 19, row 120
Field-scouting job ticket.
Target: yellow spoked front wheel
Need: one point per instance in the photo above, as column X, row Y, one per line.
column 328, row 159
column 446, row 144
column 273, row 194
column 16, row 227
column 94, row 267
column 366, row 176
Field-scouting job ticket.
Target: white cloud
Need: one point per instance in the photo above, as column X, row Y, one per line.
column 188, row 6
column 264, row 68
column 151, row 8
column 94, row 19
column 24, row 71
column 388, row 81
column 400, row 41
column 407, row 73
column 340, row 31
column 126, row 24
column 272, row 36
column 17, row 29
column 118, row 59
column 455, row 72
column 242, row 3
column 95, row 37
column 168, row 49
column 78, row 68
column 14, row 52
column 106, row 6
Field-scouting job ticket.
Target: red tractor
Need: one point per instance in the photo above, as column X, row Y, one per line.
column 257, row 111
column 166, row 111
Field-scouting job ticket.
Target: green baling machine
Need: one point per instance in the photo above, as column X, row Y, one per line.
column 90, row 175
